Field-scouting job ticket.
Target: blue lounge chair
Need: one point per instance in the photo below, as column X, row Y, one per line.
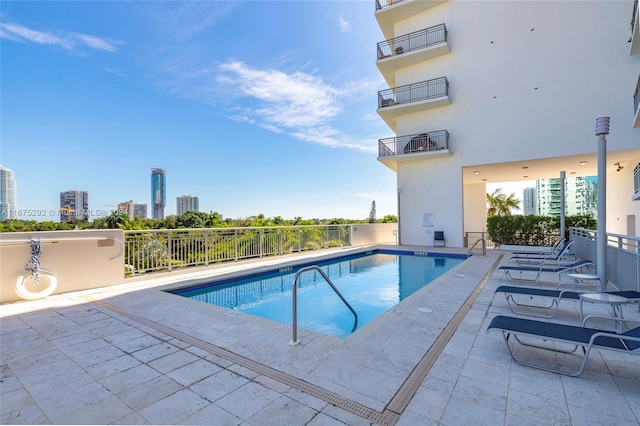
column 557, row 256
column 538, row 270
column 515, row 329
column 555, row 249
column 549, row 310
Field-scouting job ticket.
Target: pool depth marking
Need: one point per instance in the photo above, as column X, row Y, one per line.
column 391, row 413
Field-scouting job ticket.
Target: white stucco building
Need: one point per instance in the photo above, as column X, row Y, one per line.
column 498, row 91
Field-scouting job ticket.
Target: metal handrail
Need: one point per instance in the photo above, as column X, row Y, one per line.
column 294, row 340
column 386, row 3
column 419, row 142
column 413, row 41
column 430, row 89
column 484, row 247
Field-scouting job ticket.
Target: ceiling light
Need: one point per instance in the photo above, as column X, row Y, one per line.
column 582, row 163
column 477, row 172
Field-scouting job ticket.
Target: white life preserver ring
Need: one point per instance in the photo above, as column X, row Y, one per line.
column 22, row 291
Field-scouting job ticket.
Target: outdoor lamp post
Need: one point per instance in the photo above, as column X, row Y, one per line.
column 602, row 129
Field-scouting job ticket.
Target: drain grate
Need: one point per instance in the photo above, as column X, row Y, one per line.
column 396, row 406
column 299, row 384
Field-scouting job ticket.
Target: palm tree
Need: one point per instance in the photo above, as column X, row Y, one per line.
column 500, row 204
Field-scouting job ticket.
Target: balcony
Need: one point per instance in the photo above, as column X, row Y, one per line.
column 635, row 30
column 636, row 183
column 411, row 49
column 412, row 98
column 636, row 104
column 388, row 12
column 412, row 147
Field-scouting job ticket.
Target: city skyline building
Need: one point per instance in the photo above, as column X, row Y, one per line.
column 187, row 203
column 7, row 193
column 580, row 196
column 158, row 192
column 464, row 114
column 529, row 202
column 133, row 210
column 74, row 204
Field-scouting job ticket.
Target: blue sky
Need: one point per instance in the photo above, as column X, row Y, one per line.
column 255, row 107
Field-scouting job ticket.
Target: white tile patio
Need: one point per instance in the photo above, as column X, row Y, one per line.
column 133, row 354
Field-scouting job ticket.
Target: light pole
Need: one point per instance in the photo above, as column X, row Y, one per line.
column 602, row 130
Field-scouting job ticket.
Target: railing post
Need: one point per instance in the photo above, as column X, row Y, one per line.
column 235, row 243
column 206, row 247
column 169, row 249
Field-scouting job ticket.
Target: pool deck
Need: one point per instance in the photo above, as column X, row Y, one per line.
column 132, row 354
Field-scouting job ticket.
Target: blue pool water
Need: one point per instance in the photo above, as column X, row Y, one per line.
column 371, row 283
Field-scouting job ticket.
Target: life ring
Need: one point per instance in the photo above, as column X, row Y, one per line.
column 22, row 291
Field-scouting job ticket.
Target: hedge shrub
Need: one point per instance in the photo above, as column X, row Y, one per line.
column 533, row 230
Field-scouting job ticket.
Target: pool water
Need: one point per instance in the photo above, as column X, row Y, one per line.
column 371, row 283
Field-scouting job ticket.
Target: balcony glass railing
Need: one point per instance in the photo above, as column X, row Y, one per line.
column 381, row 4
column 425, row 90
column 421, row 142
column 414, row 41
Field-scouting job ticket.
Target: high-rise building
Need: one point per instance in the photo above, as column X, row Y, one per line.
column 158, row 192
column 133, row 210
column 480, row 92
column 74, row 204
column 580, row 196
column 187, row 203
column 7, row 194
column 530, row 202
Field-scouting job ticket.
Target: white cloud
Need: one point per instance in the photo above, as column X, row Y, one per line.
column 95, row 43
column 69, row 41
column 344, row 25
column 298, row 104
column 19, row 33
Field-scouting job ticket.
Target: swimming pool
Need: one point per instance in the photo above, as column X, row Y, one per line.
column 372, row 283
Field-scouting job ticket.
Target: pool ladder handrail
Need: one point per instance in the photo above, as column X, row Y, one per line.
column 294, row 340
column 484, row 246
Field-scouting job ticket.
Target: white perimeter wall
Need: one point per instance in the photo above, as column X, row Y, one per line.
column 527, row 81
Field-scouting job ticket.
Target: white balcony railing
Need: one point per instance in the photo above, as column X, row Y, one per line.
column 168, row 249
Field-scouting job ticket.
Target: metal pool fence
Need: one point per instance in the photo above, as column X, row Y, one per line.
column 164, row 250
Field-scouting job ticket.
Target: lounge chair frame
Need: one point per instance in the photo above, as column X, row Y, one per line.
column 514, row 329
column 538, row 270
column 550, row 309
column 553, row 250
column 563, row 255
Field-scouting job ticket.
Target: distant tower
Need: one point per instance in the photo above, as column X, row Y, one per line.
column 158, row 193
column 530, row 201
column 187, row 203
column 74, row 204
column 7, row 194
column 580, row 196
column 133, row 210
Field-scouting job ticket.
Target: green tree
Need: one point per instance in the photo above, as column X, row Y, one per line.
column 390, row 218
column 500, row 205
column 117, row 220
column 192, row 219
column 372, row 212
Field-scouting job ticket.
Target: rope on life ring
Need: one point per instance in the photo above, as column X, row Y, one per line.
column 22, row 291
